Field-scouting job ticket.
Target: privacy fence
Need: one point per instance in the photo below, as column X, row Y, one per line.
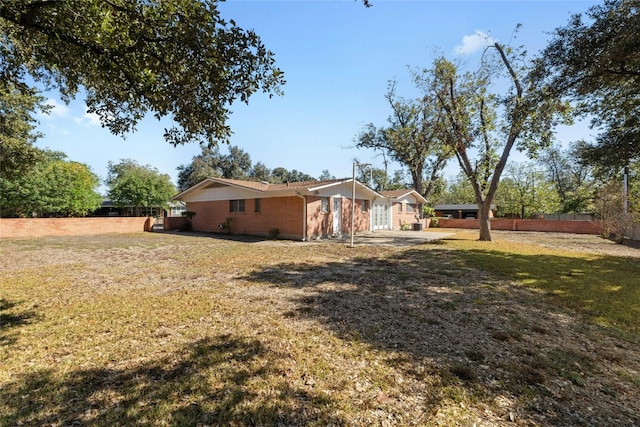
column 41, row 227
column 578, row 227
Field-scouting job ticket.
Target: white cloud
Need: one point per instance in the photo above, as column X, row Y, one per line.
column 57, row 109
column 473, row 43
column 88, row 119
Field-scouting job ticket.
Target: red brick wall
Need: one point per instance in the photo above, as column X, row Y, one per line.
column 360, row 219
column 578, row 227
column 173, row 222
column 40, row 227
column 319, row 224
column 284, row 213
column 404, row 217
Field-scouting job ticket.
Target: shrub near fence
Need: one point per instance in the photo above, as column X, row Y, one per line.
column 41, row 227
column 577, row 227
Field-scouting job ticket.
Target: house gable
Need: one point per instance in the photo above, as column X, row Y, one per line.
column 404, row 196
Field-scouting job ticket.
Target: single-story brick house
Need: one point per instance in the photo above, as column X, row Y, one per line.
column 399, row 209
column 299, row 210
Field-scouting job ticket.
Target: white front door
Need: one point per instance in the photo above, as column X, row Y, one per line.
column 337, row 215
column 380, row 216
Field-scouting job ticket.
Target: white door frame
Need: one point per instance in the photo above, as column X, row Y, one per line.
column 380, row 216
column 337, row 215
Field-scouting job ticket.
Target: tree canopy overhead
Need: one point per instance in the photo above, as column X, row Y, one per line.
column 595, row 61
column 413, row 138
column 172, row 58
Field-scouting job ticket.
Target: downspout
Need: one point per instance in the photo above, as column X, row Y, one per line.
column 304, row 216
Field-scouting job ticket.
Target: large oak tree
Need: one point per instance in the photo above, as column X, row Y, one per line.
column 595, row 62
column 484, row 120
column 177, row 59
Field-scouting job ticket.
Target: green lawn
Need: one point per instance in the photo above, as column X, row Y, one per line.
column 160, row 329
column 604, row 288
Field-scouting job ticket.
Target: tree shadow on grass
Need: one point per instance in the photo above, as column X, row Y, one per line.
column 433, row 306
column 209, row 382
column 604, row 289
column 10, row 320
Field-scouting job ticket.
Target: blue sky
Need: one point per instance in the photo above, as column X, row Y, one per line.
column 337, row 57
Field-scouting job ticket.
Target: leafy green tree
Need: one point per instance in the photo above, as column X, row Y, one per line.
column 141, row 187
column 482, row 127
column 282, row 175
column 413, row 138
column 260, row 172
column 54, row 186
column 525, row 191
column 17, row 129
column 458, row 190
column 594, row 61
column 634, row 189
column 236, row 164
column 571, row 178
column 380, row 180
column 325, row 175
column 204, row 165
column 610, row 210
column 172, row 58
column 279, row 175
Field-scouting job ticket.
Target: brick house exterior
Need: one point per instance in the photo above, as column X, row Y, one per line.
column 403, row 208
column 299, row 210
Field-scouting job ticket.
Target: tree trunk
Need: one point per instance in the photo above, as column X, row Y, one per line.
column 485, row 221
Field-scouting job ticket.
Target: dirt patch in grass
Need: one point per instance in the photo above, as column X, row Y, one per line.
column 182, row 330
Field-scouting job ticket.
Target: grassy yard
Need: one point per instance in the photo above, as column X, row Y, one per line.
column 160, row 329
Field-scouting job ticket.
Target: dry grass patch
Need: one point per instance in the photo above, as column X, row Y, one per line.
column 184, row 330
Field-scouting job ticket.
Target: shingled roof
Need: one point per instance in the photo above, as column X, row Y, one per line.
column 266, row 188
column 396, row 194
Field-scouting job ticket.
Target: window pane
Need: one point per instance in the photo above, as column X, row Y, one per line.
column 325, row 205
column 236, row 205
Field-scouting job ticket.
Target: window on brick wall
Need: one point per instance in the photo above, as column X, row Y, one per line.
column 324, row 206
column 411, row 208
column 364, row 204
column 399, row 207
column 236, row 206
column 257, row 206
